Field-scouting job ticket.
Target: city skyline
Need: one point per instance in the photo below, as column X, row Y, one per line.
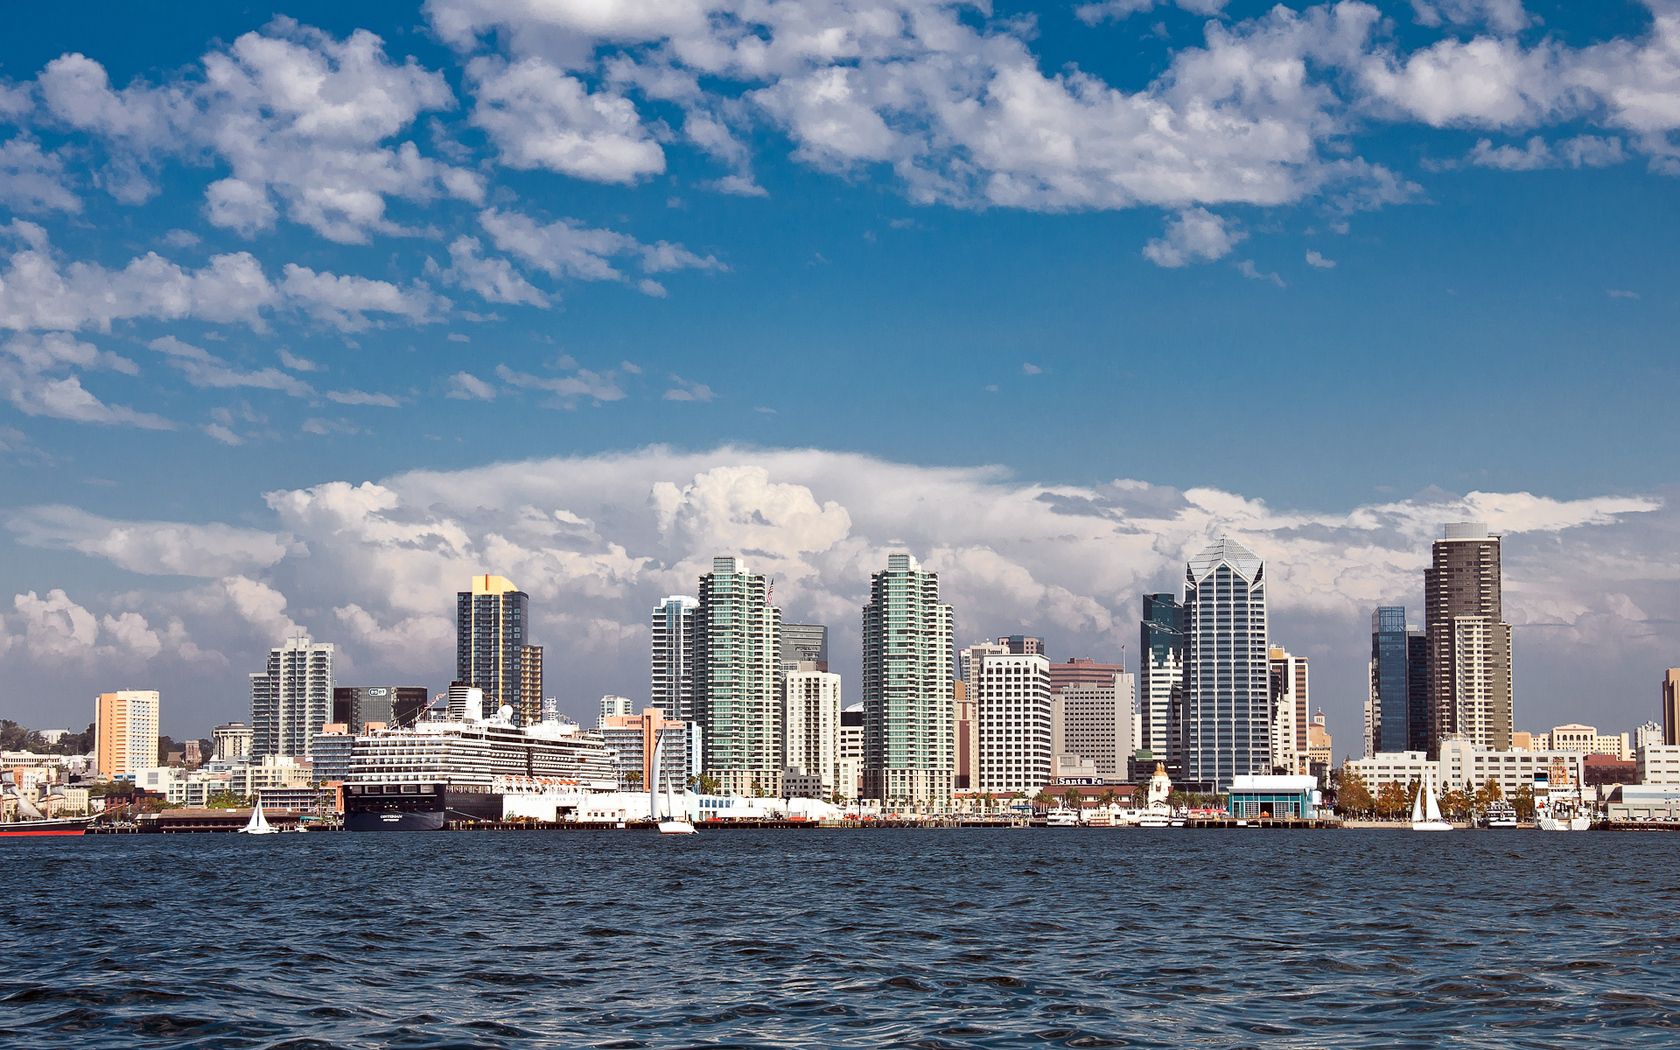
column 306, row 318
column 1053, row 603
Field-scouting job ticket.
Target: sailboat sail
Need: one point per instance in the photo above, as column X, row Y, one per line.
column 1432, row 809
column 653, row 776
column 1417, row 802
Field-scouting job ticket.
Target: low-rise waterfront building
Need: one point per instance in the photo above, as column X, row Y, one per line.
column 1465, row 766
column 1659, row 764
column 1586, row 740
column 1273, row 796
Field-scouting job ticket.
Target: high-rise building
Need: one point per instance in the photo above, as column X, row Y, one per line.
column 1417, row 688
column 737, row 660
column 125, row 732
column 1391, row 680
column 229, row 741
column 1469, row 641
column 356, row 705
column 1289, row 714
column 1671, row 706
column 907, row 704
column 811, row 731
column 805, row 642
column 850, row 768
column 1012, row 700
column 1082, row 669
column 291, row 698
column 965, row 739
column 1226, row 718
column 1161, row 678
column 492, row 629
column 672, row 660
column 1096, row 723
column 617, row 707
column 530, row 703
column 1023, row 645
column 968, row 661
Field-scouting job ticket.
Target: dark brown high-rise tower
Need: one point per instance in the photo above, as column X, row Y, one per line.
column 1469, row 640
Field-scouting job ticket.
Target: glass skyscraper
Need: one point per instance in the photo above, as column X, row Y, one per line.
column 1161, row 683
column 1391, row 679
column 1227, row 711
column 737, row 660
column 907, row 693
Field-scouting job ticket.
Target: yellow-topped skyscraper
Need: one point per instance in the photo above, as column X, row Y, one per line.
column 492, row 646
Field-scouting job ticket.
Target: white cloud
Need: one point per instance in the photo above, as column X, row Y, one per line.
column 296, row 363
column 1581, row 151
column 1317, row 261
column 1030, row 369
column 1248, row 269
column 492, row 279
column 344, row 300
column 539, row 117
column 37, row 377
column 565, row 249
column 464, row 386
column 685, row 390
column 32, row 180
column 1116, row 10
column 1504, row 16
column 596, row 539
column 37, row 292
column 300, row 119
column 363, row 397
column 579, row 384
column 154, row 548
column 204, row 369
column 1193, row 235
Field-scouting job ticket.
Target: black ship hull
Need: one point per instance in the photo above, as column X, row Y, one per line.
column 415, row 807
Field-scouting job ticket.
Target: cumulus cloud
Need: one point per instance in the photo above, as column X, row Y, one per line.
column 1193, row 235
column 300, row 119
column 38, row 375
column 567, row 249
column 597, row 539
column 464, row 386
column 1317, row 260
column 539, row 117
column 344, row 300
column 204, row 369
column 1580, row 151
column 1116, row 10
column 33, row 180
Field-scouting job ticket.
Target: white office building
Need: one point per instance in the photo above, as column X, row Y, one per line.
column 1012, row 705
column 292, row 698
column 811, row 731
column 671, row 664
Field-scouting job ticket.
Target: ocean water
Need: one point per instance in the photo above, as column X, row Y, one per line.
column 962, row 938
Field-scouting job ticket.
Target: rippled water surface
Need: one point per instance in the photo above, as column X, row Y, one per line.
column 1062, row 937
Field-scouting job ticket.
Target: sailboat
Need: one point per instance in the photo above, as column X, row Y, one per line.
column 672, row 824
column 1426, row 812
column 258, row 824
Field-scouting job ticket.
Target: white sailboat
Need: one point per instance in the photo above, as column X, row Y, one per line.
column 672, row 824
column 258, row 824
column 1426, row 811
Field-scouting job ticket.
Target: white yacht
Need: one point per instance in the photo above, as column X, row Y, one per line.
column 1499, row 816
column 1061, row 818
column 1426, row 811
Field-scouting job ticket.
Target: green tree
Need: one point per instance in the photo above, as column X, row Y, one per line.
column 1044, row 800
column 1072, row 797
column 1352, row 796
column 14, row 737
column 224, row 800
column 633, row 779
column 707, row 784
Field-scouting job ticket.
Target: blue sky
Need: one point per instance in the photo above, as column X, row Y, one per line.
column 1325, row 275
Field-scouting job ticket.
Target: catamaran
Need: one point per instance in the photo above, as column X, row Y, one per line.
column 1426, row 811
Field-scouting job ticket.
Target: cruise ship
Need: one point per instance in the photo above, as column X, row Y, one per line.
column 421, row 776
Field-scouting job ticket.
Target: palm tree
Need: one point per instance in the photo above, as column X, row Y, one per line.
column 1072, row 797
column 1044, row 799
